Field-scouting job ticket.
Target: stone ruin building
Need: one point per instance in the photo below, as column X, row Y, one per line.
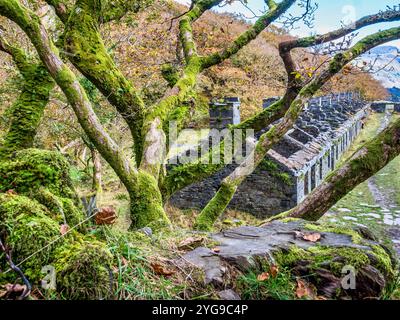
column 383, row 106
column 293, row 167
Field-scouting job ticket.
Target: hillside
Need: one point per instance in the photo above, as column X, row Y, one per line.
column 385, row 62
column 255, row 73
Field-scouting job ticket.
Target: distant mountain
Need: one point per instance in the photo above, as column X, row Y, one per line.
column 387, row 57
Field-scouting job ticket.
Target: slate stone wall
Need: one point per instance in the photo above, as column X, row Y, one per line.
column 295, row 166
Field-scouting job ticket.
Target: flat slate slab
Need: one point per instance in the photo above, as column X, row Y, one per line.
column 240, row 247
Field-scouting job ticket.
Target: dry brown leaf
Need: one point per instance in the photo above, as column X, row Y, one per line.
column 274, row 270
column 160, row 269
column 106, row 215
column 263, row 276
column 124, row 261
column 303, row 290
column 313, row 237
column 115, row 269
column 64, row 229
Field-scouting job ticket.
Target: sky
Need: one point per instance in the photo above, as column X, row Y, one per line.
column 329, row 15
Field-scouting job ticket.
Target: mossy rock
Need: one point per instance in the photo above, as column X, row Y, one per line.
column 12, row 206
column 44, row 176
column 28, row 237
column 324, row 261
column 38, row 197
column 31, row 169
column 83, row 270
column 27, row 227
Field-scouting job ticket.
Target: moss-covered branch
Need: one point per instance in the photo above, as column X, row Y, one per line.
column 65, row 78
column 383, row 16
column 272, row 136
column 27, row 111
column 86, row 50
column 110, row 10
column 148, row 208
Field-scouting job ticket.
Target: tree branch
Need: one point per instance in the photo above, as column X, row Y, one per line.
column 383, row 16
column 365, row 162
column 85, row 49
column 261, row 24
column 65, row 78
column 230, row 184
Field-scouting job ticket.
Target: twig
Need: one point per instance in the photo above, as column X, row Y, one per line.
column 28, row 286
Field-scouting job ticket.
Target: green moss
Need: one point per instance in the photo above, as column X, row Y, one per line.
column 286, row 220
column 27, row 111
column 269, row 165
column 146, row 203
column 68, row 212
column 209, row 215
column 27, row 227
column 44, row 176
column 26, row 236
column 345, row 256
column 11, row 206
column 355, row 236
column 31, row 169
column 384, row 260
column 291, row 255
column 83, row 270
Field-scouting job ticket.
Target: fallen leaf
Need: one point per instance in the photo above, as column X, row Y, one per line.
column 115, row 269
column 160, row 269
column 263, row 276
column 106, row 215
column 64, row 229
column 303, row 290
column 124, row 261
column 216, row 249
column 274, row 271
column 313, row 237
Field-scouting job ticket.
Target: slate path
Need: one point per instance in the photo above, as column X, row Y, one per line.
column 387, row 205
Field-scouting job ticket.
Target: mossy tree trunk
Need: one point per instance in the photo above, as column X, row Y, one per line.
column 85, row 49
column 82, row 35
column 27, row 111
